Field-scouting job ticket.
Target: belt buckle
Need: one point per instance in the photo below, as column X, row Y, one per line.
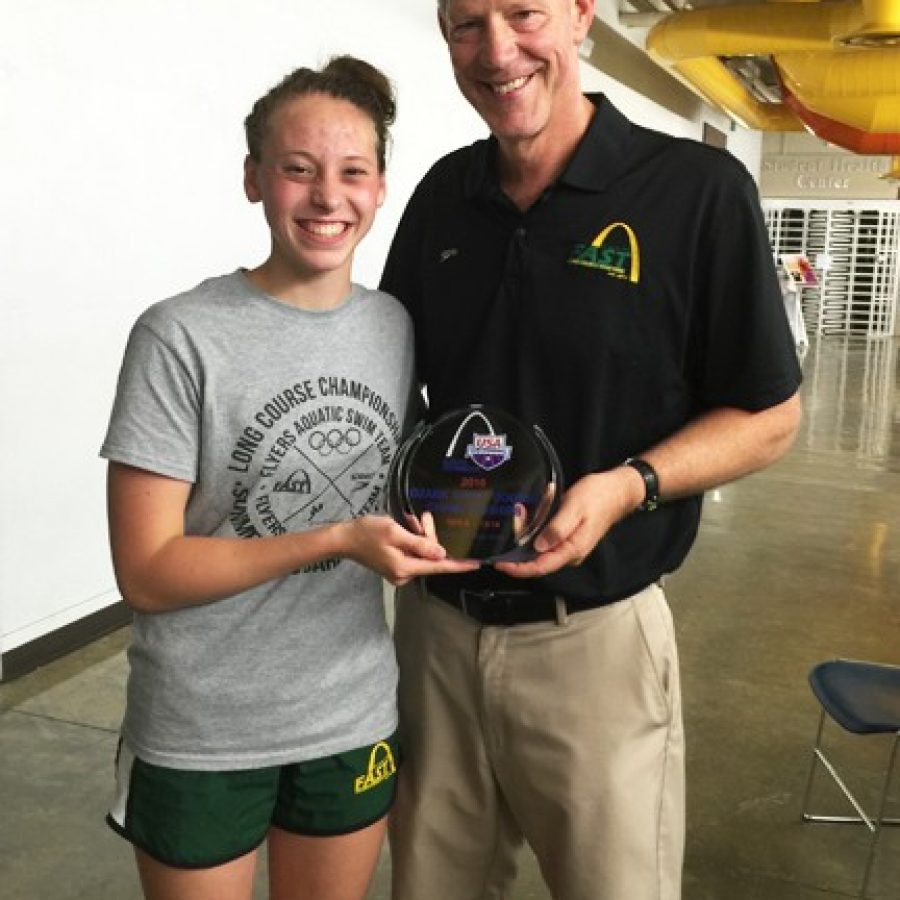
column 495, row 608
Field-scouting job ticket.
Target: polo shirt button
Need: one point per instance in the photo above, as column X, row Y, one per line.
column 520, row 232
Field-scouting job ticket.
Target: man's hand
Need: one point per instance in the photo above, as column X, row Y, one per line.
column 588, row 510
column 717, row 447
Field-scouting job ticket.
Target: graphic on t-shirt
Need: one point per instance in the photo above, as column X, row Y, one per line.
column 316, row 452
column 298, row 482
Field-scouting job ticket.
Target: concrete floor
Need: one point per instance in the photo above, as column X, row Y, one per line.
column 795, row 565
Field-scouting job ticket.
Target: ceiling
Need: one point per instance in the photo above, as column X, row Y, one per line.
column 832, row 68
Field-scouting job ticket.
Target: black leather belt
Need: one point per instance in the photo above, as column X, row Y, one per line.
column 506, row 608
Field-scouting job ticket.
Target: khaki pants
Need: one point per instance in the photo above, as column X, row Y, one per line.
column 565, row 734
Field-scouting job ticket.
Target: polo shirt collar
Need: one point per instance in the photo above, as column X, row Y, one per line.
column 604, row 151
column 481, row 175
column 599, row 158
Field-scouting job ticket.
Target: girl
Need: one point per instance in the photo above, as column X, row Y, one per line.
column 267, row 404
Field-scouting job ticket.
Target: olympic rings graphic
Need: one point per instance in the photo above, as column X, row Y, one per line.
column 324, row 443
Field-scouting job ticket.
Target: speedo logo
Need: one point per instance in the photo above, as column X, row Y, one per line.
column 381, row 767
column 614, row 251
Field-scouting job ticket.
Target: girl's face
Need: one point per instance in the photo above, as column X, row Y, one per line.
column 319, row 184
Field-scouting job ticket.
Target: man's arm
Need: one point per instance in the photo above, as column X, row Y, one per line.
column 715, row 448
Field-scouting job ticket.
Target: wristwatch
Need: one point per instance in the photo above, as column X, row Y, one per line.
column 651, row 483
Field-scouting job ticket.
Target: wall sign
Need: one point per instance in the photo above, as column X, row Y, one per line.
column 826, row 175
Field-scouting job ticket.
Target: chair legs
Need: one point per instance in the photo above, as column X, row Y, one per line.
column 873, row 823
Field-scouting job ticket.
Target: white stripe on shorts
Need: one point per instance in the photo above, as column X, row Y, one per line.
column 124, row 765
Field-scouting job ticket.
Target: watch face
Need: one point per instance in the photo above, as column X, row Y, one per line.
column 489, row 482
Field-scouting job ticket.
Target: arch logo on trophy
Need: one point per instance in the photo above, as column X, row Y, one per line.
column 489, row 481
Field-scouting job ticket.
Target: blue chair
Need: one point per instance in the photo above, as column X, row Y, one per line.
column 863, row 698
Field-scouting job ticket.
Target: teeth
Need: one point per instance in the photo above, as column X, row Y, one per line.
column 513, row 85
column 325, row 229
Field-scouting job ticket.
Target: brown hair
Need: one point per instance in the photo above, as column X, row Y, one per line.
column 343, row 77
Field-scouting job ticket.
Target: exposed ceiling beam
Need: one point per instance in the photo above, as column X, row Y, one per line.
column 617, row 57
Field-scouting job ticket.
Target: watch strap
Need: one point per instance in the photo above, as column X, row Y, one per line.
column 651, row 483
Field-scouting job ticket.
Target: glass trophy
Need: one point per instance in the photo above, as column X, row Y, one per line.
column 489, row 481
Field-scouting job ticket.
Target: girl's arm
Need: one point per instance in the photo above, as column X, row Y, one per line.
column 159, row 568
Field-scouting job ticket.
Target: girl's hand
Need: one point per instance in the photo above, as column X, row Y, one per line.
column 398, row 555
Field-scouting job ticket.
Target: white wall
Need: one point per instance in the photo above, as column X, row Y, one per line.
column 122, row 156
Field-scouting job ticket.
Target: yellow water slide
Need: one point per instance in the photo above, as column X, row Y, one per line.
column 838, row 65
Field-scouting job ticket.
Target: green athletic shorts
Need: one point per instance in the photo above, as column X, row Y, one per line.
column 196, row 820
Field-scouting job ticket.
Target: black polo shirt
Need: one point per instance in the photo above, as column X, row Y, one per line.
column 636, row 293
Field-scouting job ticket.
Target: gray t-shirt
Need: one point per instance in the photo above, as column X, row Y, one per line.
column 282, row 419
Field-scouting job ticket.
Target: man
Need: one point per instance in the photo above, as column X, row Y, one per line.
column 616, row 287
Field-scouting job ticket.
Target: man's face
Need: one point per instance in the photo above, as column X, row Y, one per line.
column 516, row 61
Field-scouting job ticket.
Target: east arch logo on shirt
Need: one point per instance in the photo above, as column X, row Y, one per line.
column 614, row 251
